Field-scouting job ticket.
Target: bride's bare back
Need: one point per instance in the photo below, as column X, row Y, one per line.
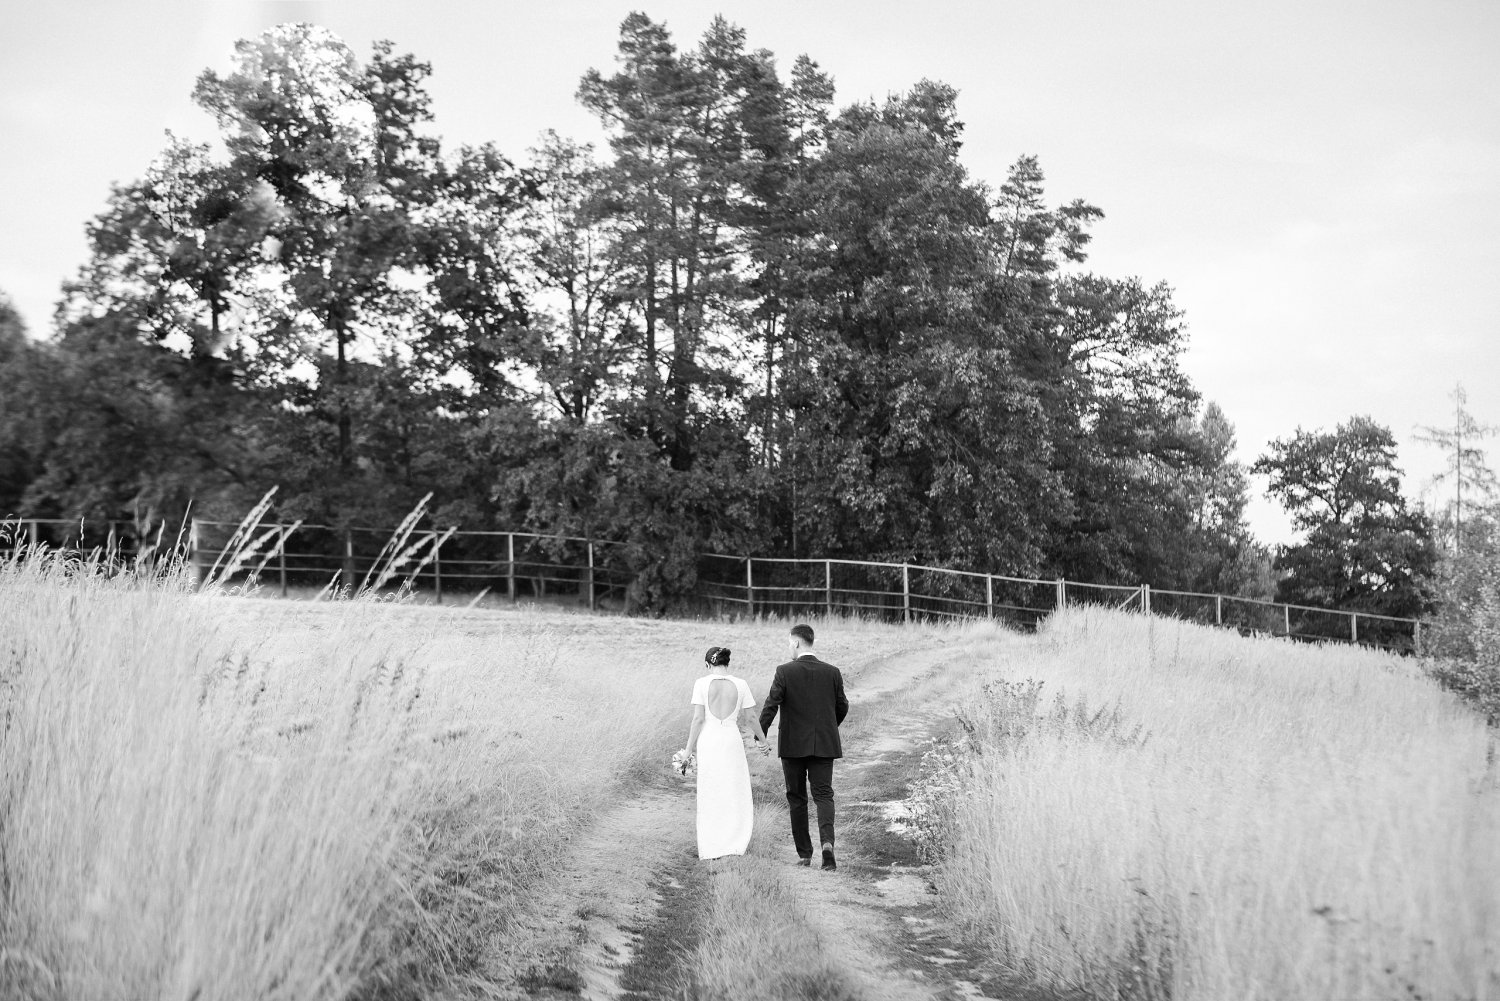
column 723, row 698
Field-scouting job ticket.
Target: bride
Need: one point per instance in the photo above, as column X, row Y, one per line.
column 725, row 812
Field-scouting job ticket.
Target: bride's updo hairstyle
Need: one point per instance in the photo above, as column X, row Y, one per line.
column 717, row 656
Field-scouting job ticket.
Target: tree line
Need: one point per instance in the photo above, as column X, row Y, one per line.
column 755, row 322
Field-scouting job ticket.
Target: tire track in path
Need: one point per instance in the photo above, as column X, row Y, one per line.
column 581, row 931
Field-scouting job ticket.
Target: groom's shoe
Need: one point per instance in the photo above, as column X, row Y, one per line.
column 828, row 861
column 804, row 860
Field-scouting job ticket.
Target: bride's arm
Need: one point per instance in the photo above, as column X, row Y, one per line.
column 748, row 706
column 760, row 735
column 693, row 728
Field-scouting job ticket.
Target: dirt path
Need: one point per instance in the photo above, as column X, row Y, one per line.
column 622, row 921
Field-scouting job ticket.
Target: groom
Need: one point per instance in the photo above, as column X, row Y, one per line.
column 810, row 695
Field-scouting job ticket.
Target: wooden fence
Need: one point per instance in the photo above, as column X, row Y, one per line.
column 448, row 565
column 467, row 566
column 909, row 591
column 119, row 537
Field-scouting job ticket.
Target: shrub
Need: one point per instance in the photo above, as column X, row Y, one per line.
column 1005, row 716
column 1462, row 644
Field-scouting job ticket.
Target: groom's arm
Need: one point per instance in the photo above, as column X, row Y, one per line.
column 773, row 702
column 840, row 702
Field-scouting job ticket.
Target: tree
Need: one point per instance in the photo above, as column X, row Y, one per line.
column 466, row 295
column 1218, row 491
column 20, row 372
column 677, row 124
column 324, row 306
column 1463, row 635
column 697, row 138
column 1461, row 640
column 131, row 429
column 1467, row 470
column 147, row 407
column 785, row 129
column 1364, row 549
column 297, row 115
column 1032, row 238
column 912, row 432
column 581, row 315
column 1122, row 413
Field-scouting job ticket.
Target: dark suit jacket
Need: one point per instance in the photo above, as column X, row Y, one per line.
column 810, row 695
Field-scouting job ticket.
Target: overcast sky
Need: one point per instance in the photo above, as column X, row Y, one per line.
column 1318, row 181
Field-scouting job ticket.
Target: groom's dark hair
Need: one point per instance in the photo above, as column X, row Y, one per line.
column 803, row 633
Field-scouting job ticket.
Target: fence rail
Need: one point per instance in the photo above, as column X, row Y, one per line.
column 470, row 565
column 462, row 565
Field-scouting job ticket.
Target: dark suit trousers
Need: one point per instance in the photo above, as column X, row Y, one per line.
column 800, row 772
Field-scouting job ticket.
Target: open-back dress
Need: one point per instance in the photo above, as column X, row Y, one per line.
column 725, row 811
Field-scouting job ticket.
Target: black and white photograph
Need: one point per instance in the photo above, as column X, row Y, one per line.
column 755, row 501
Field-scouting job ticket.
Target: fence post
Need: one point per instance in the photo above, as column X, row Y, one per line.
column 281, row 558
column 828, row 586
column 1218, row 609
column 1146, row 598
column 591, row 575
column 197, row 570
column 989, row 595
column 750, row 584
column 1416, row 638
column 349, row 571
column 510, row 566
column 1062, row 595
column 34, row 533
column 1286, row 619
column 1353, row 627
column 437, row 566
column 906, row 592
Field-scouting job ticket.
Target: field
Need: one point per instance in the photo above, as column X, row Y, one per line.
column 205, row 796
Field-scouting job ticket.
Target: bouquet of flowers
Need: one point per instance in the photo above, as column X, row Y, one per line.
column 682, row 762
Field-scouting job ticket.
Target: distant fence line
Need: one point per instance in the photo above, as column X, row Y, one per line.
column 470, row 565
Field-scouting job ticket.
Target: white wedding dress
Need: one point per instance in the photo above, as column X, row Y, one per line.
column 725, row 811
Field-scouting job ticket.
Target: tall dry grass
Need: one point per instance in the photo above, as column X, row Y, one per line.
column 1301, row 822
column 211, row 797
column 183, row 820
